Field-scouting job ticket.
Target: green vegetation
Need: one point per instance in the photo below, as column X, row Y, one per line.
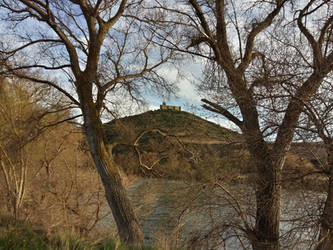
column 16, row 235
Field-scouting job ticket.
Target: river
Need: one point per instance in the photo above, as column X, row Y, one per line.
column 204, row 216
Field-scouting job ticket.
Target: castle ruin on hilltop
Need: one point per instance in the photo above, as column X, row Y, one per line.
column 169, row 107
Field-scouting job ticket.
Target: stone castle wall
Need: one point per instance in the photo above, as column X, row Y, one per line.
column 169, row 107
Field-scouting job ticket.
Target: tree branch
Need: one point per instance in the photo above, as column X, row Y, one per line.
column 52, row 84
column 220, row 110
column 256, row 29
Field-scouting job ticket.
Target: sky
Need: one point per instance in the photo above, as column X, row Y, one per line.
column 186, row 96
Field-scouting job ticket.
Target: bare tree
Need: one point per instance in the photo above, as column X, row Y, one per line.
column 317, row 122
column 64, row 191
column 15, row 107
column 230, row 36
column 89, row 45
column 22, row 118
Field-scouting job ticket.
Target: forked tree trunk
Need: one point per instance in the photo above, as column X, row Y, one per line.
column 128, row 226
column 265, row 235
column 326, row 227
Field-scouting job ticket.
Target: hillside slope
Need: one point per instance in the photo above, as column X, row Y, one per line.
column 187, row 147
column 180, row 145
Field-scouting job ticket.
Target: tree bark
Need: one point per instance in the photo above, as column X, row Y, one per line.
column 129, row 229
column 326, row 227
column 268, row 166
column 268, row 195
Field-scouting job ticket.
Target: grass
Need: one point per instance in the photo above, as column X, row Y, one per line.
column 16, row 235
column 117, row 245
column 68, row 241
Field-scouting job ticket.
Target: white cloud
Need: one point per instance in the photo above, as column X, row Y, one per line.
column 187, row 91
column 184, row 82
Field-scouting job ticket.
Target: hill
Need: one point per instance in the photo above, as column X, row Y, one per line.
column 186, row 126
column 170, row 144
column 180, row 145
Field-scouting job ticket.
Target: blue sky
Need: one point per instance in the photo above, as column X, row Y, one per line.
column 186, row 96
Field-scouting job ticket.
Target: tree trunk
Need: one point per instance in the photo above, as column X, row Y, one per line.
column 268, row 196
column 326, row 227
column 268, row 182
column 129, row 229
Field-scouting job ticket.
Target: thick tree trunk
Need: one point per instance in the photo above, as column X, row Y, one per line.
column 268, row 196
column 326, row 227
column 268, row 193
column 268, row 183
column 129, row 229
column 269, row 162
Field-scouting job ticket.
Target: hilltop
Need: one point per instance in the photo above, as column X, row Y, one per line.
column 186, row 126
